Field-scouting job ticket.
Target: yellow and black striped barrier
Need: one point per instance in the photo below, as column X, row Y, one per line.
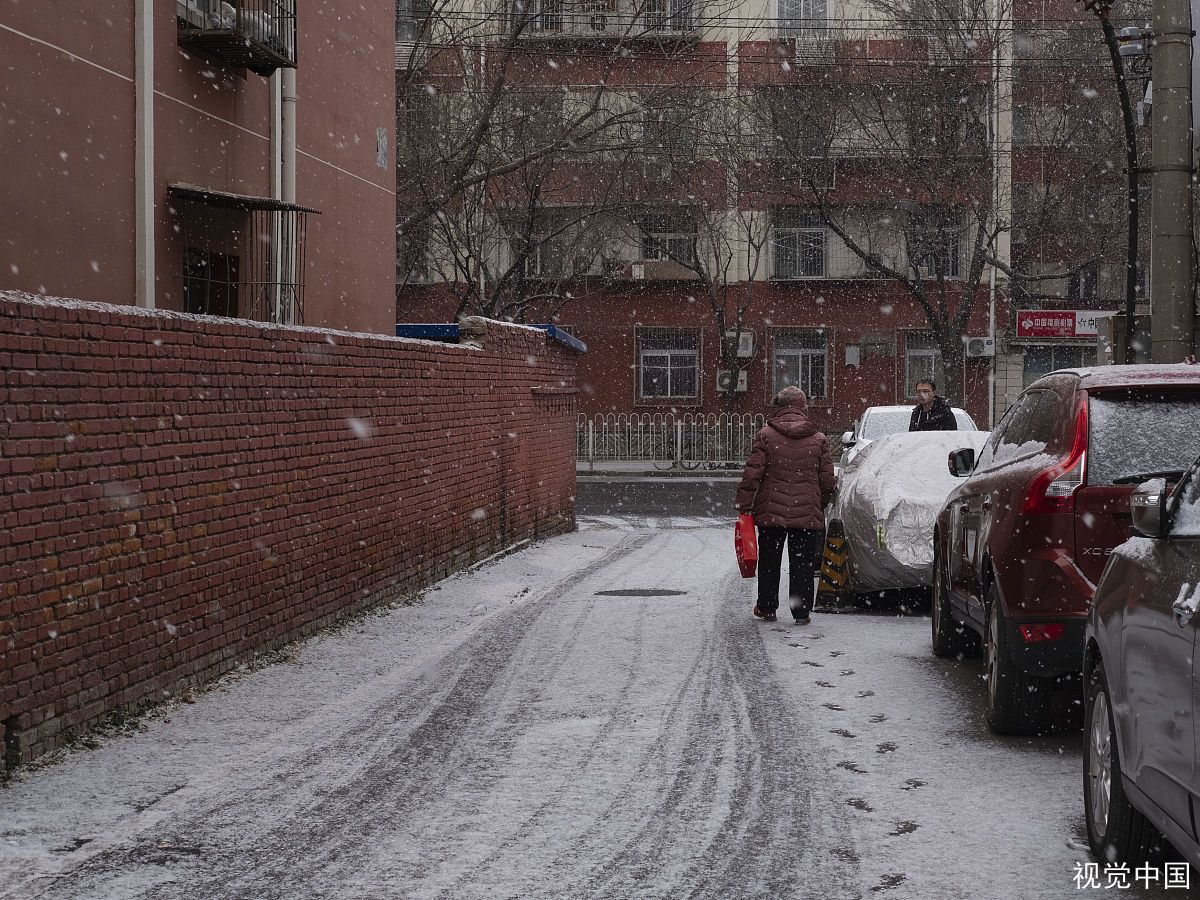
column 835, row 574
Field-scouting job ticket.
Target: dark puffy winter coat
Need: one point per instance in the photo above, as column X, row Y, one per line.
column 939, row 418
column 789, row 476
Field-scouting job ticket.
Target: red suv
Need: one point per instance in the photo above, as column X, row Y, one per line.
column 1021, row 543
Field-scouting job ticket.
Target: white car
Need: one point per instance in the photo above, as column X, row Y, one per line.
column 888, row 502
column 879, row 421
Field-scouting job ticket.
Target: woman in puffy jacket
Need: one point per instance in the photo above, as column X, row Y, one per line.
column 787, row 483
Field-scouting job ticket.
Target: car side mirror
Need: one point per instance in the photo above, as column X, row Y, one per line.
column 848, row 439
column 961, row 462
column 1147, row 508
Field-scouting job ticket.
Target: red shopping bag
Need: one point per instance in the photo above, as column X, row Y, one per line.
column 745, row 545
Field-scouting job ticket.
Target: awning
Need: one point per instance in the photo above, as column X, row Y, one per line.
column 229, row 200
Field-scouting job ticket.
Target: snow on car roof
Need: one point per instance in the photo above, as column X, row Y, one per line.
column 1145, row 373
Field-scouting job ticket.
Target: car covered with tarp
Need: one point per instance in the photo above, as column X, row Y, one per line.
column 887, row 504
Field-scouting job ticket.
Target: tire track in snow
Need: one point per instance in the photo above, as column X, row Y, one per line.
column 322, row 797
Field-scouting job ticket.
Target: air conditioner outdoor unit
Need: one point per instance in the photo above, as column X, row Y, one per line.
column 981, row 346
column 745, row 347
column 725, row 378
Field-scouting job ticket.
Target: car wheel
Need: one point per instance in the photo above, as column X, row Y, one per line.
column 1117, row 833
column 1017, row 703
column 950, row 638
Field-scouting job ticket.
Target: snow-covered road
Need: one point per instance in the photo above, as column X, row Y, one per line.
column 520, row 734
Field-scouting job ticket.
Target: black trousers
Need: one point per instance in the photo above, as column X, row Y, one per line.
column 804, row 563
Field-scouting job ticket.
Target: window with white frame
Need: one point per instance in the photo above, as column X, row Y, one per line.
column 668, row 363
column 922, row 358
column 802, row 360
column 670, row 15
column 799, row 240
column 803, row 18
column 666, row 236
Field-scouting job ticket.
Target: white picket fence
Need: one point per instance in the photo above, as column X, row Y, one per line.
column 667, row 440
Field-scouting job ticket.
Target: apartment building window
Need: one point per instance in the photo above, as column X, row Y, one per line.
column 668, row 363
column 1041, row 361
column 1084, row 282
column 670, row 126
column 667, row 237
column 802, row 360
column 799, row 240
column 411, row 16
column 792, row 128
column 533, row 117
column 210, row 282
column 922, row 358
column 669, row 15
column 934, row 246
column 803, row 18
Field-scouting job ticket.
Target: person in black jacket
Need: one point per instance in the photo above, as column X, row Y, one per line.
column 932, row 412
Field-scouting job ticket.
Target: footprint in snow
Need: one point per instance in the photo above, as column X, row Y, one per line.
column 779, row 629
column 809, row 662
column 837, row 652
column 913, row 783
column 822, row 684
column 842, row 732
column 886, row 747
column 878, row 717
column 860, row 803
column 851, row 766
column 845, row 854
column 887, row 882
column 863, row 694
column 834, row 707
column 904, row 828
column 846, row 672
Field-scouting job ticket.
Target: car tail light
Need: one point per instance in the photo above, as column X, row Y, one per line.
column 1053, row 489
column 1034, row 634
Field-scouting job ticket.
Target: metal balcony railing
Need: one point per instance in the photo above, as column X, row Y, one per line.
column 259, row 35
column 608, row 18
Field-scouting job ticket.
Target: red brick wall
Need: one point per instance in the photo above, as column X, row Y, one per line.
column 177, row 492
column 608, row 324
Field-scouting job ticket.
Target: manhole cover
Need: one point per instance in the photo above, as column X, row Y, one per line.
column 640, row 592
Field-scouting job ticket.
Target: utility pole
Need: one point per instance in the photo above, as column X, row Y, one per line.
column 1171, row 301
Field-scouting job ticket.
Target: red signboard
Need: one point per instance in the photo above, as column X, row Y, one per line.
column 1060, row 323
column 1046, row 323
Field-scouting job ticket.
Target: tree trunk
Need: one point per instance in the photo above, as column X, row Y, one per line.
column 954, row 355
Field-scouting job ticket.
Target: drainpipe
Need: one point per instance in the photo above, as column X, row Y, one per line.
column 143, row 165
column 287, row 189
column 275, row 275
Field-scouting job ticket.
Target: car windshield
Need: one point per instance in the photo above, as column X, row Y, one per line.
column 882, row 422
column 1146, row 430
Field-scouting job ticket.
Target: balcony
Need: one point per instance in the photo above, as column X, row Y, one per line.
column 259, row 35
column 612, row 19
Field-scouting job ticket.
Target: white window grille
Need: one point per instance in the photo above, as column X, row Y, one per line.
column 666, row 238
column 1041, row 361
column 799, row 242
column 922, row 358
column 668, row 362
column 802, row 360
column 803, row 18
column 671, row 16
